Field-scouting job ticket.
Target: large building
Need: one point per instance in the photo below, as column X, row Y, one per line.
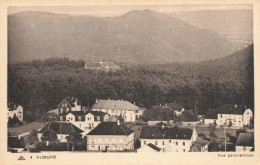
column 128, row 111
column 86, row 121
column 69, row 104
column 168, row 139
column 110, row 136
column 61, row 129
column 105, row 66
column 245, row 142
column 232, row 115
column 15, row 110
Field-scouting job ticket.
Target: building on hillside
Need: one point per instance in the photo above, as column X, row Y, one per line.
column 128, row 111
column 69, row 104
column 200, row 145
column 211, row 116
column 168, row 139
column 15, row 110
column 234, row 115
column 61, row 129
column 105, row 66
column 86, row 121
column 245, row 142
column 110, row 136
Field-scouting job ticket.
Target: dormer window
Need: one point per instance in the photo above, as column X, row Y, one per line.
column 61, row 118
column 79, row 118
column 98, row 118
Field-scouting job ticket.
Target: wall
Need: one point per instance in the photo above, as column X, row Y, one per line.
column 114, row 143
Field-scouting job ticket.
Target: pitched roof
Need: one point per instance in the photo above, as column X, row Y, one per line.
column 154, row 147
column 212, row 114
column 115, row 105
column 61, row 128
column 154, row 132
column 14, row 142
column 245, row 139
column 232, row 109
column 101, row 65
column 111, row 128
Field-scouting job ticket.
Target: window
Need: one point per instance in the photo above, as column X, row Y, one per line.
column 176, row 143
column 170, row 141
column 162, row 142
column 221, row 116
column 79, row 118
column 244, row 148
column 61, row 118
column 98, row 118
column 183, row 143
column 144, row 142
column 183, row 150
column 155, row 142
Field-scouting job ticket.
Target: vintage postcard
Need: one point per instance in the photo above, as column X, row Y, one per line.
column 147, row 82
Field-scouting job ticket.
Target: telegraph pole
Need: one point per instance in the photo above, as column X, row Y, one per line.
column 225, row 139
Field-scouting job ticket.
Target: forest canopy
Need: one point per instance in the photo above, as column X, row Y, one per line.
column 40, row 85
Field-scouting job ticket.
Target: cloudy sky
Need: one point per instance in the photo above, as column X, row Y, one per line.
column 117, row 10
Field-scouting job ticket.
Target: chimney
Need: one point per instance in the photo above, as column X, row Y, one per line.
column 118, row 122
column 108, row 98
column 134, row 103
column 235, row 105
column 101, row 62
column 85, row 65
column 166, row 104
column 96, row 101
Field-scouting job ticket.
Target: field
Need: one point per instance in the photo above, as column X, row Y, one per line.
column 25, row 128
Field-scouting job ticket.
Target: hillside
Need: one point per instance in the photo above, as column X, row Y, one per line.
column 135, row 37
column 236, row 25
column 41, row 84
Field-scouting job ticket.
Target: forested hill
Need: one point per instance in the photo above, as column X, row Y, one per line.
column 41, row 84
column 142, row 37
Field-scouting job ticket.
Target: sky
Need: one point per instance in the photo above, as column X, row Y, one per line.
column 116, row 10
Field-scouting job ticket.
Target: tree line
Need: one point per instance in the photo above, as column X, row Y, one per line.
column 40, row 85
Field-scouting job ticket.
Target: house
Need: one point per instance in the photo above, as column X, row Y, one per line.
column 110, row 136
column 245, row 142
column 149, row 148
column 105, row 66
column 69, row 104
column 16, row 144
column 211, row 116
column 86, row 121
column 200, row 145
column 61, row 129
column 234, row 115
column 15, row 110
column 168, row 139
column 121, row 108
column 177, row 108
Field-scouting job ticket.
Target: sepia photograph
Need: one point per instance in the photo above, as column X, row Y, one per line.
column 138, row 78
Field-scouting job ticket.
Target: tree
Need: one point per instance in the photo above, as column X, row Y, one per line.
column 251, row 125
column 32, row 138
column 240, row 131
column 212, row 133
column 72, row 138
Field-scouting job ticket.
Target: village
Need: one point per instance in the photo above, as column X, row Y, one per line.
column 121, row 126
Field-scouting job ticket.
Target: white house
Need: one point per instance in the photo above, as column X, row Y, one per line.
column 245, row 142
column 15, row 110
column 86, row 121
column 110, row 136
column 168, row 139
column 69, row 104
column 61, row 129
column 234, row 115
column 128, row 111
column 211, row 116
